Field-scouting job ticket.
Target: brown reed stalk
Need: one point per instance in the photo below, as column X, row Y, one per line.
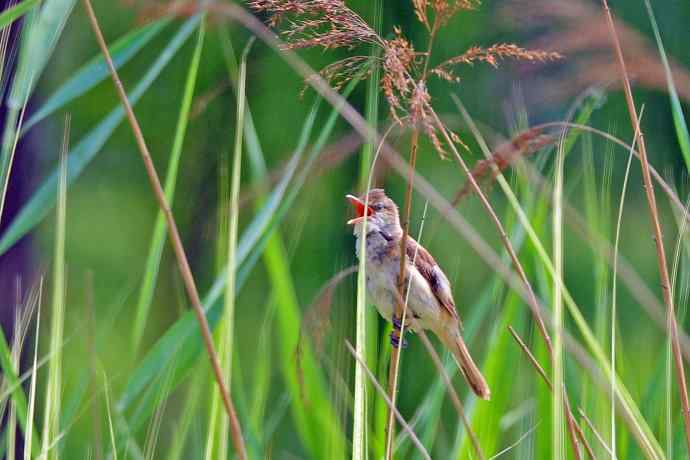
column 573, row 427
column 656, row 224
column 532, row 299
column 396, row 412
column 419, row 103
column 401, row 305
column 597, row 435
column 175, row 239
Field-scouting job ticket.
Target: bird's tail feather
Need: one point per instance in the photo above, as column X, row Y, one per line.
column 455, row 343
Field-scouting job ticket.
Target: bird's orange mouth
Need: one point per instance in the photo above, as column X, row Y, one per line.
column 362, row 210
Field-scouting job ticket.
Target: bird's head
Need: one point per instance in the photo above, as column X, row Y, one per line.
column 380, row 212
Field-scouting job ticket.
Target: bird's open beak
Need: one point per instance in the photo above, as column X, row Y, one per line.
column 360, row 208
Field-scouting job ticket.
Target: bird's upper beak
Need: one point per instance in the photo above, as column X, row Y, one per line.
column 361, row 209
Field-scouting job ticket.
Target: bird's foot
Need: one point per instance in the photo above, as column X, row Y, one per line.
column 395, row 340
column 397, row 323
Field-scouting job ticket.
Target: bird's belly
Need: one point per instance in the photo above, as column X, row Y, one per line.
column 382, row 286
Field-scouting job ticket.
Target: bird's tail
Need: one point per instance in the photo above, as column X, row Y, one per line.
column 453, row 340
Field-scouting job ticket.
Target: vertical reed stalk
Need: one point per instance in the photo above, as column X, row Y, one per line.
column 51, row 416
column 656, row 224
column 557, row 216
column 614, row 295
column 401, row 306
column 176, row 240
column 365, row 321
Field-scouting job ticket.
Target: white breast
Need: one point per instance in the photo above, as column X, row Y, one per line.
column 382, row 285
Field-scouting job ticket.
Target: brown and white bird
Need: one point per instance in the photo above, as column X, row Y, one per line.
column 430, row 300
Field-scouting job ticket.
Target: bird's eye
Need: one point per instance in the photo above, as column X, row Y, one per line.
column 378, row 207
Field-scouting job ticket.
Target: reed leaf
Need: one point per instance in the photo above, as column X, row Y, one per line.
column 43, row 199
column 159, row 232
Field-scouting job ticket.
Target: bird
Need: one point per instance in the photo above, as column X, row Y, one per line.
column 430, row 304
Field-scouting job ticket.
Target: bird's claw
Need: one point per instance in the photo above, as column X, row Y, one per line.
column 395, row 340
column 397, row 323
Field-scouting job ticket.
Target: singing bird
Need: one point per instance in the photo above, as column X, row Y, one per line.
column 430, row 304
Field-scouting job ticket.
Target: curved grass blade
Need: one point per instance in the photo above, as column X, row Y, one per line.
column 40, row 42
column 180, row 345
column 17, row 11
column 44, row 198
column 38, row 38
column 216, row 447
column 641, row 430
column 18, row 397
column 54, row 396
column 366, row 321
column 558, row 361
column 676, row 110
column 159, row 232
column 95, row 71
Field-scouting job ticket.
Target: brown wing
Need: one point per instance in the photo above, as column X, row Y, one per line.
column 432, row 273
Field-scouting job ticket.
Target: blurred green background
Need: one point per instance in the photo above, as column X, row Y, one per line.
column 111, row 213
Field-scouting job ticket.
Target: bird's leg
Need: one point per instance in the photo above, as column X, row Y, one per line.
column 395, row 333
column 397, row 323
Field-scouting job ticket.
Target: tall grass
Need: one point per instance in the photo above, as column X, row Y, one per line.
column 365, row 320
column 53, row 396
column 295, row 393
column 158, row 237
column 227, row 324
column 558, row 359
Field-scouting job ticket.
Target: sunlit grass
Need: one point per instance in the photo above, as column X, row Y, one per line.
column 300, row 392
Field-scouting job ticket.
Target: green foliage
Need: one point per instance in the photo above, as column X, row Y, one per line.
column 17, row 11
column 144, row 390
column 86, row 150
column 158, row 237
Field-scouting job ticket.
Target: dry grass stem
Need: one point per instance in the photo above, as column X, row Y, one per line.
column 573, row 428
column 487, row 253
column 183, row 263
column 532, row 359
column 401, row 306
column 455, row 399
column 382, row 392
column 596, row 433
column 533, row 303
column 656, row 224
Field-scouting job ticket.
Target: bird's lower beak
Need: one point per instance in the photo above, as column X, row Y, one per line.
column 361, row 209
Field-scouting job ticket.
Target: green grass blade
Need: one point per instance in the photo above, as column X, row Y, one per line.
column 219, row 448
column 188, row 414
column 40, row 42
column 17, row 11
column 262, row 368
column 181, row 344
column 39, row 37
column 176, row 343
column 558, row 439
column 111, row 431
column 18, row 396
column 95, row 71
column 366, row 318
column 287, row 307
column 44, row 198
column 159, row 233
column 676, row 110
column 643, row 434
column 53, row 399
column 28, row 438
